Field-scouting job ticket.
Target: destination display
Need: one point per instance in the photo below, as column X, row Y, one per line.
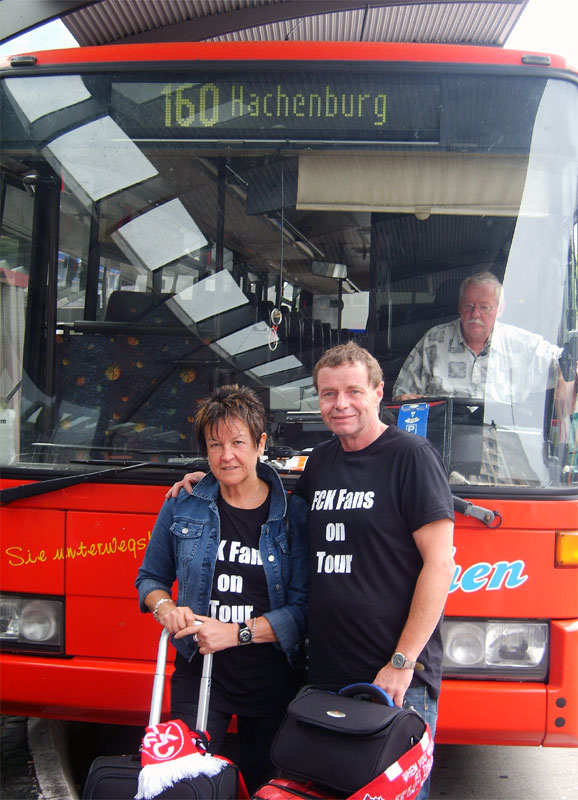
column 451, row 111
column 283, row 105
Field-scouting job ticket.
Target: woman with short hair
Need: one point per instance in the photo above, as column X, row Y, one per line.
column 241, row 583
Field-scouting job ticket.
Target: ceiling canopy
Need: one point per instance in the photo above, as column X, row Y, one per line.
column 98, row 22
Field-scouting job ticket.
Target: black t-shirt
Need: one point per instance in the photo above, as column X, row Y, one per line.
column 250, row 679
column 363, row 508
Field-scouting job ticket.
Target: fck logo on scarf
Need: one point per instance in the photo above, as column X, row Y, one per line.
column 166, row 741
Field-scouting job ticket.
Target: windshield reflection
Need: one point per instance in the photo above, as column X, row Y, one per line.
column 156, row 248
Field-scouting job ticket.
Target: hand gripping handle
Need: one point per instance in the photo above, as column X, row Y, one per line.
column 368, row 689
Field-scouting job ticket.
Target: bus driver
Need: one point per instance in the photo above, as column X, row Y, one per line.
column 477, row 356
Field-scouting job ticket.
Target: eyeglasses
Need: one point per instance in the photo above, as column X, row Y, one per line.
column 468, row 308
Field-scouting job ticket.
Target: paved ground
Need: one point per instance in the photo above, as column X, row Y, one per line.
column 44, row 777
column 17, row 775
column 460, row 772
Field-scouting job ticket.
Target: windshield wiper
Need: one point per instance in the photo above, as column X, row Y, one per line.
column 53, row 484
column 493, row 519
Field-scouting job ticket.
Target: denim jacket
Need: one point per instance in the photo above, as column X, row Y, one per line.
column 184, row 546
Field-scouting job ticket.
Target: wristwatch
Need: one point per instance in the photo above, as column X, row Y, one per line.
column 244, row 636
column 399, row 661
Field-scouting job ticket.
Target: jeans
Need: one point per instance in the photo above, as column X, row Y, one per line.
column 419, row 699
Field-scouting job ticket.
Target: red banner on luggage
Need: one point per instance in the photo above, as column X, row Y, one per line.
column 403, row 779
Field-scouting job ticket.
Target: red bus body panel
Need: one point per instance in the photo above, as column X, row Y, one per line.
column 106, row 676
column 277, row 51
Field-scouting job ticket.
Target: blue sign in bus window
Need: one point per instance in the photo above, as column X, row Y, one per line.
column 412, row 418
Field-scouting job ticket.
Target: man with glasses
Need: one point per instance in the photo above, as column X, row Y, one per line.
column 477, row 356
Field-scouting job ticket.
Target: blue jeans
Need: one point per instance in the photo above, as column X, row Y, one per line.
column 419, row 699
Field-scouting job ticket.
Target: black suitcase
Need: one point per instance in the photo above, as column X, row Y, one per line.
column 341, row 741
column 116, row 777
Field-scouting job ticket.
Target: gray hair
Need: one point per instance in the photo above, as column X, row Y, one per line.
column 480, row 278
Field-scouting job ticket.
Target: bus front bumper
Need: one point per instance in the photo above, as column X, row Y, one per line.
column 84, row 689
column 470, row 712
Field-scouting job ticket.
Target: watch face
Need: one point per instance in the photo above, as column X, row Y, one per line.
column 245, row 635
column 398, row 660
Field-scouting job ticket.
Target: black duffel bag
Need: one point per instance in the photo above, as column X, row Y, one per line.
column 341, row 740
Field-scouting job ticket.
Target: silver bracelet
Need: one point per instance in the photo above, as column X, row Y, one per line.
column 253, row 628
column 158, row 604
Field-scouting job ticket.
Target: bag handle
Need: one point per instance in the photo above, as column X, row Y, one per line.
column 375, row 692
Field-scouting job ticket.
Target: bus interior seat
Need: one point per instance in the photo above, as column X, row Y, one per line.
column 445, row 304
column 142, row 307
column 109, row 383
column 401, row 326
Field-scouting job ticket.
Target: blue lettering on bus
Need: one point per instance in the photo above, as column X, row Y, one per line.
column 491, row 577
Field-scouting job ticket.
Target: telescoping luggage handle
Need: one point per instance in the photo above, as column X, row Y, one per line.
column 159, row 685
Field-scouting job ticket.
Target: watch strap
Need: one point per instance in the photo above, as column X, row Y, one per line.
column 405, row 663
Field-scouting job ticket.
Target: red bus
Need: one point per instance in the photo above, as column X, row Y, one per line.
column 176, row 217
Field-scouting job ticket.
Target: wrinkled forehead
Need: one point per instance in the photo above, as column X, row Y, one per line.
column 480, row 292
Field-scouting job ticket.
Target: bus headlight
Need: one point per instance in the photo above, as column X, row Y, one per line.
column 31, row 623
column 498, row 649
column 465, row 644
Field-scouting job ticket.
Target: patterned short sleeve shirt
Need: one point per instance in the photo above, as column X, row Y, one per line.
column 513, row 363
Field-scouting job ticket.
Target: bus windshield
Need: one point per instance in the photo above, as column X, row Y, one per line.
column 165, row 232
